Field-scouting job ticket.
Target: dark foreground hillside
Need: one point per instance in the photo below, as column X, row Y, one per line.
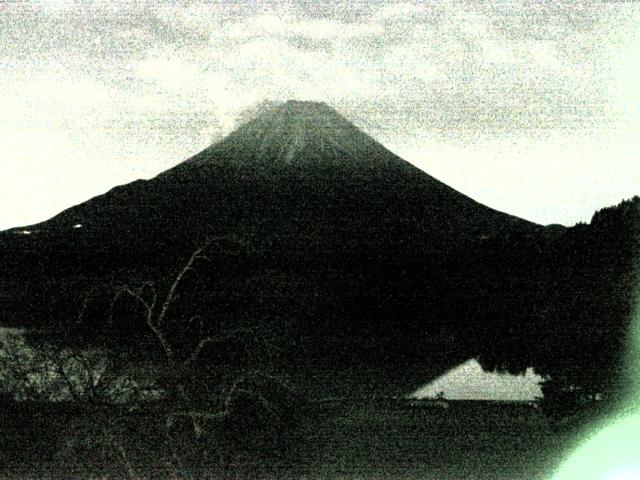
column 367, row 439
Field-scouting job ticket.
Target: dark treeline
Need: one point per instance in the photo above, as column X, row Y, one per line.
column 575, row 294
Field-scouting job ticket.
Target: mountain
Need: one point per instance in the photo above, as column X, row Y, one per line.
column 300, row 157
column 344, row 255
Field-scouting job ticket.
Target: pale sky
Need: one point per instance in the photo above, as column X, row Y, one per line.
column 529, row 107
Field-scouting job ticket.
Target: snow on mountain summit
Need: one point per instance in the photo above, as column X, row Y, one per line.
column 297, row 132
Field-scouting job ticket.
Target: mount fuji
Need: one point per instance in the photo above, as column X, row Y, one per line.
column 346, row 257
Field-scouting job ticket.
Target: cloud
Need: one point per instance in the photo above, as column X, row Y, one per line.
column 447, row 65
column 450, row 66
column 506, row 65
column 305, row 43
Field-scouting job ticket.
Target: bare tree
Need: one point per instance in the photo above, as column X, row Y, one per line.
column 52, row 373
column 181, row 360
column 84, row 375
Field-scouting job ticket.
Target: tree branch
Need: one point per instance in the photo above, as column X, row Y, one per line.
column 197, row 254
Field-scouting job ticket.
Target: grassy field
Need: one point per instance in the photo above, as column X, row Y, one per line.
column 380, row 439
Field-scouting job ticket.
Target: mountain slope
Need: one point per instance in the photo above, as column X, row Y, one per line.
column 298, row 143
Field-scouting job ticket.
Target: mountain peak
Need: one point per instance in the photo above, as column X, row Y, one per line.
column 294, row 133
column 297, row 115
column 306, row 107
column 296, row 108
